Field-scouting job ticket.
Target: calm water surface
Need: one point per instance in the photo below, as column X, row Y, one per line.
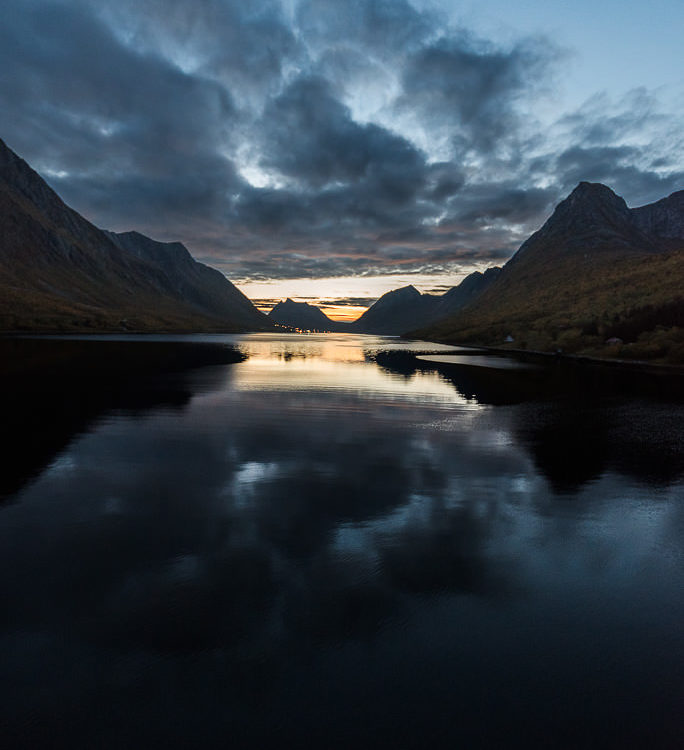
column 334, row 544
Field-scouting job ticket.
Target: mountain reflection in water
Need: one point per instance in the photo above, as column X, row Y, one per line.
column 322, row 540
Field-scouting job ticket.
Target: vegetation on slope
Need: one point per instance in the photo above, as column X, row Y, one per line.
column 589, row 282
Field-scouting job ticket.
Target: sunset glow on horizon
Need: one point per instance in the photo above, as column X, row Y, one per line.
column 344, row 298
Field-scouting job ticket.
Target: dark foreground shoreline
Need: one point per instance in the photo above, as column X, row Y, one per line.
column 110, row 359
column 54, row 389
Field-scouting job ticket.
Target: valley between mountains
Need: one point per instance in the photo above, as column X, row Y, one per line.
column 598, row 278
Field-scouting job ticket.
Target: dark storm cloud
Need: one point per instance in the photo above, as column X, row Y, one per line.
column 472, row 88
column 310, row 136
column 387, row 29
column 246, row 46
column 489, row 202
column 143, row 109
column 317, row 138
column 123, row 132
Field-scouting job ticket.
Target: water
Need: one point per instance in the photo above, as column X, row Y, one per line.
column 332, row 543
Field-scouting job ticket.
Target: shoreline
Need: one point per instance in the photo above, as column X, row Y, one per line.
column 464, row 349
column 533, row 354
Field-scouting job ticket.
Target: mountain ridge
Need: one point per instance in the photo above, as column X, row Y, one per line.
column 393, row 313
column 595, row 269
column 59, row 272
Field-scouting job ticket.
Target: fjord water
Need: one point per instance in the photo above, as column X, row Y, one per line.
column 323, row 541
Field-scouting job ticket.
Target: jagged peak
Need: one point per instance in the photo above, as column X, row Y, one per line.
column 589, row 205
column 289, row 302
column 403, row 291
column 596, row 192
column 591, row 187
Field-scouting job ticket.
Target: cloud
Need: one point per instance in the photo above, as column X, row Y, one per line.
column 122, row 134
column 471, row 88
column 630, row 144
column 349, row 302
column 312, row 138
column 384, row 29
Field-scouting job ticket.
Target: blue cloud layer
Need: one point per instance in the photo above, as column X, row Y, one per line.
column 321, row 139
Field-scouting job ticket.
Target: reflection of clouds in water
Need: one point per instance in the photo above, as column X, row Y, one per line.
column 243, row 485
column 247, row 492
column 257, row 527
column 211, row 528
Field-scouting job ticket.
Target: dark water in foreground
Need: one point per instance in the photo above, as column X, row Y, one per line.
column 333, row 544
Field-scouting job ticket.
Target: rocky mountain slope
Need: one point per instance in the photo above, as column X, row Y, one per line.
column 597, row 278
column 59, row 272
column 195, row 283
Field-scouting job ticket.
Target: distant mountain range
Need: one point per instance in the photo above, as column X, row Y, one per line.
column 394, row 313
column 405, row 309
column 59, row 272
column 598, row 278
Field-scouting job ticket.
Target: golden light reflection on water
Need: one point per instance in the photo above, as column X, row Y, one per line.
column 342, row 362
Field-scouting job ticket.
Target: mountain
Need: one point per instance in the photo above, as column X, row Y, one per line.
column 596, row 270
column 395, row 312
column 305, row 316
column 466, row 292
column 405, row 309
column 60, row 272
column 197, row 284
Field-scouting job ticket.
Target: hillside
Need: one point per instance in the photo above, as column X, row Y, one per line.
column 403, row 309
column 194, row 283
column 394, row 313
column 59, row 272
column 305, row 316
column 595, row 271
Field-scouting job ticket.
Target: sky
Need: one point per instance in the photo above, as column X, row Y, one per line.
column 331, row 150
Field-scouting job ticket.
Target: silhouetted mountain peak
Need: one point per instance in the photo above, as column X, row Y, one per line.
column 399, row 296
column 289, row 305
column 592, row 203
column 593, row 190
column 302, row 315
column 591, row 217
column 407, row 291
column 405, row 309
